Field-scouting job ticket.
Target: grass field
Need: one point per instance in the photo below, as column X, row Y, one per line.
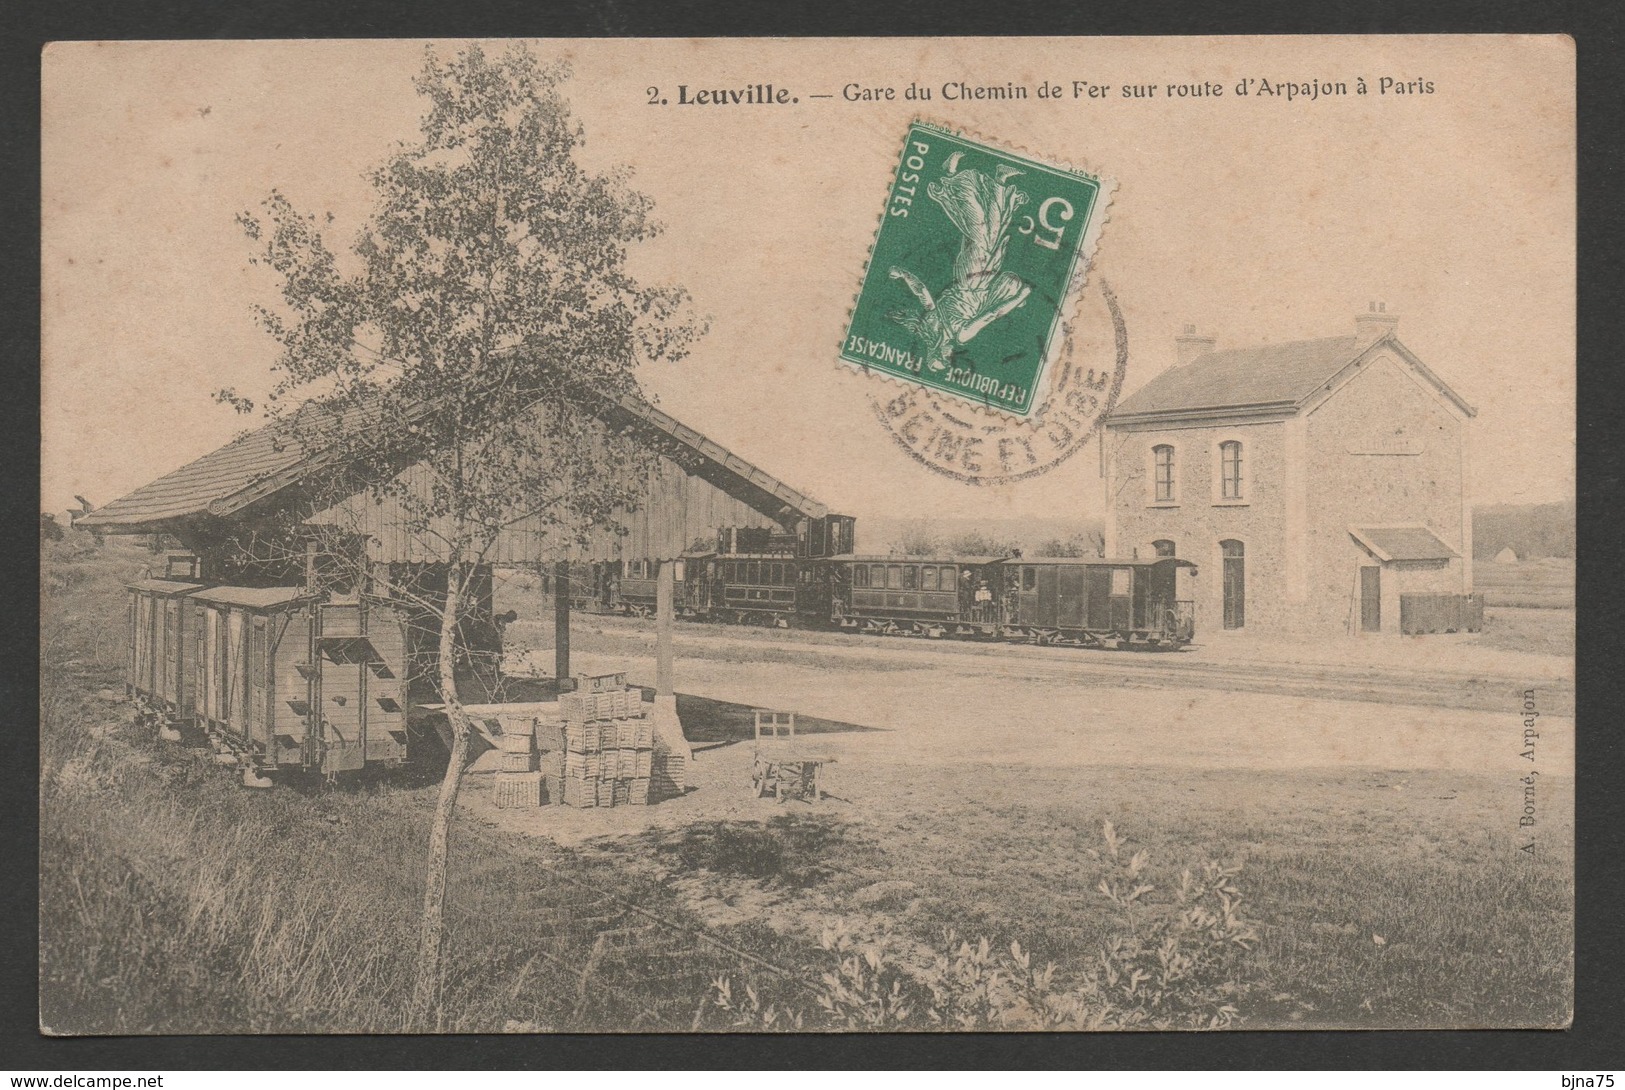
column 175, row 901
column 1541, row 583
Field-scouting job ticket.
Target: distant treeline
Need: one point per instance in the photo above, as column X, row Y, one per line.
column 1531, row 529
column 1034, row 536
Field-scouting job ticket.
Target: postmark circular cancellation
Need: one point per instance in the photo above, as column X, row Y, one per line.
column 970, row 443
column 972, row 309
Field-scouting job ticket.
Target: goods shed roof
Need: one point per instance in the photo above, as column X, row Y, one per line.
column 260, row 464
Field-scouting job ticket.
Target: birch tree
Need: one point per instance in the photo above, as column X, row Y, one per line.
column 469, row 338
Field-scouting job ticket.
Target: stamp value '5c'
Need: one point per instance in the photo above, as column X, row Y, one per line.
column 978, row 255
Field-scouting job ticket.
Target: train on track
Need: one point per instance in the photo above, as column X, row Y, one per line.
column 815, row 580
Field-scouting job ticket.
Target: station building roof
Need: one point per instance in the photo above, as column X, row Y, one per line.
column 1272, row 378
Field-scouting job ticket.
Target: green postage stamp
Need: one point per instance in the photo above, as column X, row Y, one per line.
column 978, row 253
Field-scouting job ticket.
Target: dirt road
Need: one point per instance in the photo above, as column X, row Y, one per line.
column 1018, row 705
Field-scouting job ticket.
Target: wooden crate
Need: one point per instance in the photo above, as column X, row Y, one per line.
column 518, row 762
column 669, row 774
column 600, row 683
column 640, row 790
column 515, row 743
column 573, row 707
column 626, row 733
column 549, row 735
column 583, row 737
column 580, row 793
column 606, row 792
column 518, row 790
column 519, row 725
column 645, row 733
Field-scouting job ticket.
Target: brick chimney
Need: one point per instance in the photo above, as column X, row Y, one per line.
column 1375, row 323
column 1188, row 347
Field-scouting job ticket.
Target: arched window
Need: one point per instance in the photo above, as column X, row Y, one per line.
column 1162, row 461
column 1164, row 547
column 1230, row 470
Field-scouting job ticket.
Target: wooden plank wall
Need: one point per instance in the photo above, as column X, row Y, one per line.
column 678, row 509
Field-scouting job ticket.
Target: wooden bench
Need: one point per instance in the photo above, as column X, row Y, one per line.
column 782, row 767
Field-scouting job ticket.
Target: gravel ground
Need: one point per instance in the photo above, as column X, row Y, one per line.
column 956, row 712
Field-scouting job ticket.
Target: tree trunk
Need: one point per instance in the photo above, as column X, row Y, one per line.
column 431, row 936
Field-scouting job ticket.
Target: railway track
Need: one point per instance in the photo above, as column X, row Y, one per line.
column 1351, row 681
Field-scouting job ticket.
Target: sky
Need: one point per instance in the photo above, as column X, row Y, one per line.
column 1257, row 219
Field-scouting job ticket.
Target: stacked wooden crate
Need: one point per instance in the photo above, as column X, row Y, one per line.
column 608, row 756
column 668, row 773
column 518, row 783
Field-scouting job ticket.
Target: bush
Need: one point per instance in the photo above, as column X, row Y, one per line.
column 1176, row 963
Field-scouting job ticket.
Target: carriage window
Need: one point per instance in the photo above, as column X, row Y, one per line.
column 894, row 577
column 1029, row 578
column 1230, row 469
column 948, row 581
column 860, row 575
column 911, row 577
column 1122, row 582
column 1163, row 459
column 1164, row 547
column 679, row 571
column 877, row 575
column 753, row 571
column 928, row 579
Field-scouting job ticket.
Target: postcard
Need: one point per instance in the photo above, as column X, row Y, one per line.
column 832, row 535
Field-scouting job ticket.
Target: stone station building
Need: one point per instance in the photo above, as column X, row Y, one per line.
column 1313, row 482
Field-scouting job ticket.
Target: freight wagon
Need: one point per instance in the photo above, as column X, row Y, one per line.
column 159, row 660
column 1095, row 601
column 296, row 681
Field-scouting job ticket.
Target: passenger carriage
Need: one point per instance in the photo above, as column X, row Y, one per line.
column 915, row 596
column 761, row 589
